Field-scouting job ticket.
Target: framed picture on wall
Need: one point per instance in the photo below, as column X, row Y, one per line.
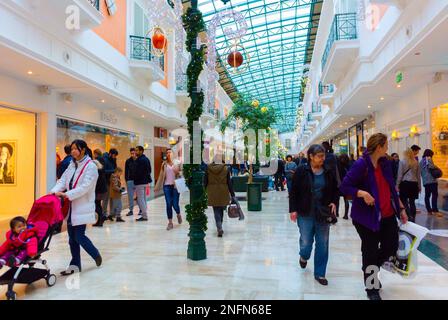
column 8, row 163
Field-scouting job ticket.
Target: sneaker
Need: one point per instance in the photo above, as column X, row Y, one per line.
column 179, row 219
column 99, row 261
column 119, row 219
column 322, row 281
column 302, row 263
column 142, row 219
column 345, row 218
column 130, row 213
column 220, row 233
column 110, row 218
column 170, row 226
column 373, row 295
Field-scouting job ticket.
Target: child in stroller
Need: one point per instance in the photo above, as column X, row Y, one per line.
column 27, row 241
column 21, row 242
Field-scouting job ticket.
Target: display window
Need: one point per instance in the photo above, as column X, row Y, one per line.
column 96, row 138
column 439, row 138
column 17, row 162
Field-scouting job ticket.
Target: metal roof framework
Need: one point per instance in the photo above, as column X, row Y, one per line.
column 280, row 42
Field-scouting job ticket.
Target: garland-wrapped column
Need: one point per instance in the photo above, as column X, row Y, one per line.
column 194, row 176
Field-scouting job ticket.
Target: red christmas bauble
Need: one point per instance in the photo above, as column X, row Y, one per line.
column 158, row 41
column 235, row 59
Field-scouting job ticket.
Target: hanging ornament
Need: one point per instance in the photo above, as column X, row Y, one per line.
column 255, row 103
column 264, row 109
column 158, row 40
column 235, row 59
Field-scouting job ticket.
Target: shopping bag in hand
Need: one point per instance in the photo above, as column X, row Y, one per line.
column 410, row 235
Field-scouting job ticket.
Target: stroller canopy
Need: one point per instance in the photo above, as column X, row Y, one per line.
column 47, row 209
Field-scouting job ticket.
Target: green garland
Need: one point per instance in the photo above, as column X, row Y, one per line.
column 194, row 24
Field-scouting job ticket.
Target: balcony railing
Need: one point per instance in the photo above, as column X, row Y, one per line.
column 95, row 3
column 141, row 50
column 315, row 108
column 325, row 89
column 344, row 27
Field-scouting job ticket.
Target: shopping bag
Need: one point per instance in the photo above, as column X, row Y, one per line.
column 181, row 185
column 410, row 236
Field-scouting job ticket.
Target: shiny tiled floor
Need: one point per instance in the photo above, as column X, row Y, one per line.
column 256, row 259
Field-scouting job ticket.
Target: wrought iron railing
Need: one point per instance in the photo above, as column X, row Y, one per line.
column 95, row 3
column 325, row 89
column 316, row 108
column 344, row 27
column 141, row 50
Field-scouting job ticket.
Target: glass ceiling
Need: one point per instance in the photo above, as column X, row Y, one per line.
column 279, row 41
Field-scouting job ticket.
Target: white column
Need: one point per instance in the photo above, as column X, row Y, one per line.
column 45, row 153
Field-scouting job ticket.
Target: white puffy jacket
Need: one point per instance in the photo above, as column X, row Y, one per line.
column 83, row 196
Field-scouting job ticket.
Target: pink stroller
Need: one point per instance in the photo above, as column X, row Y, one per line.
column 46, row 216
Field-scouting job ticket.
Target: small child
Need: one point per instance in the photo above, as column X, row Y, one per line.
column 115, row 194
column 21, row 242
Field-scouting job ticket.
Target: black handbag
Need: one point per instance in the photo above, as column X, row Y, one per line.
column 436, row 173
column 324, row 215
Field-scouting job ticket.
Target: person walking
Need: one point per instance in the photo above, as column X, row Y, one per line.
column 115, row 194
column 290, row 169
column 430, row 183
column 64, row 163
column 395, row 164
column 77, row 185
column 301, row 159
column 409, row 183
column 344, row 167
column 314, row 194
column 129, row 176
column 279, row 175
column 416, row 150
column 110, row 164
column 142, row 180
column 100, row 189
column 375, row 209
column 219, row 190
column 331, row 162
column 169, row 172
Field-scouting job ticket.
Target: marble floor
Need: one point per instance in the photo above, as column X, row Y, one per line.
column 256, row 259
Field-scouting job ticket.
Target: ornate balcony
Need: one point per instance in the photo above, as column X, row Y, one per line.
column 143, row 63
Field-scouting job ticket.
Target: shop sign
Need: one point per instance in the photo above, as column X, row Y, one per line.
column 399, row 77
column 109, row 117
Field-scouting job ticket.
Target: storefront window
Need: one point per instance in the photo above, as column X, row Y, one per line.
column 340, row 144
column 353, row 142
column 17, row 162
column 439, row 139
column 96, row 138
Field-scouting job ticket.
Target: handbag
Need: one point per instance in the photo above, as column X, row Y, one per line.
column 436, row 172
column 234, row 210
column 324, row 215
column 181, row 185
column 66, row 203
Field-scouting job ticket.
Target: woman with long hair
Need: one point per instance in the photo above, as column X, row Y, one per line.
column 408, row 182
column 375, row 209
column 6, row 164
column 314, row 192
column 430, row 183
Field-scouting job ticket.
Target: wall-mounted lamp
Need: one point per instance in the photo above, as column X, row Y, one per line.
column 414, row 131
column 394, row 135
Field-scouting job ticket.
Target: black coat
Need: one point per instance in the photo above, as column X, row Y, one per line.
column 300, row 195
column 142, row 171
column 101, row 183
column 129, row 169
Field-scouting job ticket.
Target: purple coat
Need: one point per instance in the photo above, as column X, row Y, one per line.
column 362, row 177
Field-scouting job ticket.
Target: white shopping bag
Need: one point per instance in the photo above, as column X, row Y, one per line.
column 181, row 185
column 410, row 235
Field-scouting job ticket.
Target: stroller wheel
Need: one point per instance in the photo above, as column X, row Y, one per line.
column 51, row 280
column 11, row 295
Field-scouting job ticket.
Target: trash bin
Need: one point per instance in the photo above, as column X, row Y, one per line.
column 254, row 196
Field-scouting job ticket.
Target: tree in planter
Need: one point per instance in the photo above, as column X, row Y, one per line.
column 195, row 210
column 254, row 116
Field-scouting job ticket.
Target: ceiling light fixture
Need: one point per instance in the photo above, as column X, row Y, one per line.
column 369, row 106
column 124, row 109
column 103, row 101
column 30, row 72
column 382, row 98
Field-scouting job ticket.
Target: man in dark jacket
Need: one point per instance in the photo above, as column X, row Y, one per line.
column 142, row 179
column 331, row 163
column 65, row 163
column 100, row 188
column 279, row 175
column 129, row 174
column 110, row 164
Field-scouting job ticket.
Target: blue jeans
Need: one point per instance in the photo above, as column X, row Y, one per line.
column 131, row 189
column 172, row 200
column 289, row 184
column 117, row 207
column 77, row 238
column 311, row 230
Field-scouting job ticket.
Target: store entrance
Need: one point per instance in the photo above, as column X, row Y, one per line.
column 17, row 162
